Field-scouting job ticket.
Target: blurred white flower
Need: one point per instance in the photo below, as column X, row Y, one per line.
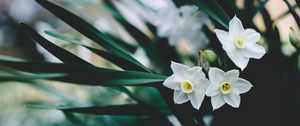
column 240, row 44
column 189, row 84
column 23, row 10
column 182, row 24
column 179, row 25
column 226, row 87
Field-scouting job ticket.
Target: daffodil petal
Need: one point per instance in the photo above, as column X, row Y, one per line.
column 232, row 99
column 241, row 86
column 172, row 82
column 178, row 68
column 196, row 99
column 196, row 73
column 255, row 51
column 212, row 90
column 216, row 74
column 223, row 36
column 232, row 75
column 202, row 84
column 238, row 59
column 180, row 97
column 217, row 101
column 251, row 36
column 235, row 27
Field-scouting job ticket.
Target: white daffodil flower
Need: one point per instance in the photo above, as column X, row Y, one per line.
column 240, row 44
column 226, row 87
column 189, row 84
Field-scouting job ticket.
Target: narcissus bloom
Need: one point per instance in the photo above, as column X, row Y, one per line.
column 240, row 44
column 189, row 84
column 226, row 87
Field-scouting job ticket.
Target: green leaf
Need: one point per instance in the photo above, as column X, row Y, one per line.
column 127, row 109
column 28, row 77
column 113, row 78
column 293, row 12
column 294, row 39
column 145, row 43
column 142, row 39
column 47, row 67
column 58, row 52
column 89, row 31
column 119, row 61
column 98, row 77
column 214, row 10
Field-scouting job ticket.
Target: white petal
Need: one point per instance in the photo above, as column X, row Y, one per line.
column 255, row 51
column 251, row 36
column 202, row 85
column 217, row 101
column 225, row 40
column 232, row 99
column 195, row 75
column 178, row 68
column 196, row 99
column 180, row 97
column 238, row 59
column 223, row 36
column 241, row 86
column 213, row 89
column 232, row 75
column 216, row 75
column 235, row 27
column 172, row 82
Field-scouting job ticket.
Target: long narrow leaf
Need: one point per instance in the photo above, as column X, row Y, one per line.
column 119, row 61
column 89, row 31
column 46, row 67
column 293, row 12
column 126, row 109
column 214, row 10
column 58, row 52
column 99, row 78
column 133, row 110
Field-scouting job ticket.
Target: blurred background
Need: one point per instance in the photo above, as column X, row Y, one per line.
column 14, row 42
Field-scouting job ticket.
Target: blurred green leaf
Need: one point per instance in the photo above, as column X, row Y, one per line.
column 145, row 43
column 126, row 110
column 214, row 10
column 298, row 3
column 89, row 31
column 294, row 39
column 258, row 8
column 119, row 61
column 47, row 67
column 99, row 76
column 58, row 52
column 293, row 12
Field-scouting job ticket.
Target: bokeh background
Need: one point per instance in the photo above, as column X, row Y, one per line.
column 14, row 42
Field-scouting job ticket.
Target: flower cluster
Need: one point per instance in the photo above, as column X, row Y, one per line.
column 190, row 84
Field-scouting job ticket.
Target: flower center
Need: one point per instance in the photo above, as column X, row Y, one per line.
column 225, row 87
column 187, row 86
column 240, row 43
